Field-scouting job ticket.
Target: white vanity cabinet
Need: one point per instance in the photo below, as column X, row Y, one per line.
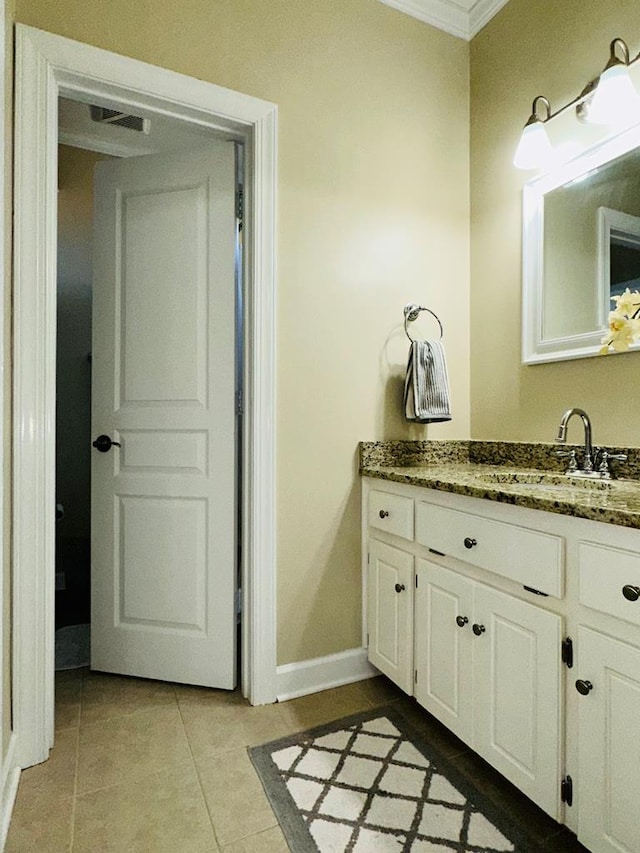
column 390, row 585
column 487, row 666
column 529, row 582
column 390, row 609
column 608, row 777
column 481, row 659
column 444, row 646
column 607, row 681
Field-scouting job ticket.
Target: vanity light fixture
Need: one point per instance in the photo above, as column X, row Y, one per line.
column 609, row 99
column 615, row 100
column 534, row 148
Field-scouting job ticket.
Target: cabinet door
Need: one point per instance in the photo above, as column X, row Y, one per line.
column 443, row 647
column 516, row 679
column 390, row 612
column 608, row 775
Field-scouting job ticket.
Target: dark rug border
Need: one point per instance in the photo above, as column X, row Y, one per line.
column 291, row 822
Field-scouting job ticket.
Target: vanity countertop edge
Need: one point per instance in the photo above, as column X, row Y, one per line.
column 462, row 467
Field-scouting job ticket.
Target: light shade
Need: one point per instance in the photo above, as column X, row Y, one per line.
column 615, row 100
column 534, row 150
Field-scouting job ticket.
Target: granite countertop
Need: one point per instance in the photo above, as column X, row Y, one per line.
column 516, row 473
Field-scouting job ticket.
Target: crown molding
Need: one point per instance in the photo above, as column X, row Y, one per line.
column 461, row 18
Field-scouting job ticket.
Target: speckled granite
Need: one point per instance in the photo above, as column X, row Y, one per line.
column 403, row 453
column 516, row 454
column 542, row 455
column 512, row 477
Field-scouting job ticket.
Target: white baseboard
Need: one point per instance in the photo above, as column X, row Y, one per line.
column 311, row 676
column 10, row 780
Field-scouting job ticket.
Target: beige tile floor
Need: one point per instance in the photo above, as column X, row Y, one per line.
column 146, row 766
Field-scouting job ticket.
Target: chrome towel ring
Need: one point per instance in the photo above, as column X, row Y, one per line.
column 411, row 312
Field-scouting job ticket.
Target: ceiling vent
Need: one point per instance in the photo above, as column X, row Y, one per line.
column 104, row 116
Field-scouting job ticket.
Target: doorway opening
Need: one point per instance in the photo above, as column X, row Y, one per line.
column 91, row 137
column 49, row 67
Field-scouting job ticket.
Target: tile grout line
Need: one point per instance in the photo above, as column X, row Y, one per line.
column 127, row 779
column 72, row 833
column 197, row 772
column 74, row 800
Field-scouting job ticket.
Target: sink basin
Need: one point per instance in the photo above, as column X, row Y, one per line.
column 541, row 480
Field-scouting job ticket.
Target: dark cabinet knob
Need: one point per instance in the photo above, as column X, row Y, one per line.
column 584, row 687
column 461, row 621
column 103, row 443
column 469, row 542
column 631, row 593
column 384, row 513
column 478, row 629
column 400, row 587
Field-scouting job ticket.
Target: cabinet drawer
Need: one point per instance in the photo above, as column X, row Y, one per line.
column 526, row 556
column 391, row 513
column 604, row 572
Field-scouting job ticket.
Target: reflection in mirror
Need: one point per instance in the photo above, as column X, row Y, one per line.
column 581, row 247
column 581, row 219
column 619, row 249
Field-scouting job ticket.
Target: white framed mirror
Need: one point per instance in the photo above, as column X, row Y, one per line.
column 581, row 245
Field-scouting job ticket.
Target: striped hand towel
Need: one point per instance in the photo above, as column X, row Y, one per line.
column 426, row 387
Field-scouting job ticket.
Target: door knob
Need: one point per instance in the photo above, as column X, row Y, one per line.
column 103, row 443
column 584, row 687
column 469, row 542
column 478, row 629
column 400, row 587
column 631, row 593
column 461, row 621
column 384, row 513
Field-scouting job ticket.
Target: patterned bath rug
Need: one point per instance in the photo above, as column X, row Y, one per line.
column 371, row 784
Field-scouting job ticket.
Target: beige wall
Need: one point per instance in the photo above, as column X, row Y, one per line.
column 373, row 213
column 528, row 49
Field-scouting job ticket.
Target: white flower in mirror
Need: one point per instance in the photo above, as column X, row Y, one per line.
column 624, row 323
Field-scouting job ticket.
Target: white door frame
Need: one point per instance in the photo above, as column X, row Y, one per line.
column 9, row 770
column 48, row 66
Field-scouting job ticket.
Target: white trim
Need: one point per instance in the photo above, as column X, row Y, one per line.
column 6, row 759
column 311, row 676
column 10, row 781
column 481, row 13
column 461, row 18
column 48, row 66
column 102, row 146
column 627, row 227
column 536, row 349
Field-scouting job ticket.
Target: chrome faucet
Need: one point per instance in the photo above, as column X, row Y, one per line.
column 587, row 462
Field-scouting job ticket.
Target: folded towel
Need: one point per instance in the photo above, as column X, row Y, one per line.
column 426, row 387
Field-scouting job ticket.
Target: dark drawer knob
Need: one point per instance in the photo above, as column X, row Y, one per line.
column 469, row 542
column 631, row 593
column 461, row 621
column 478, row 629
column 584, row 687
column 400, row 587
column 384, row 513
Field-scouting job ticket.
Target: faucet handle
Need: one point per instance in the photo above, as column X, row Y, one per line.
column 573, row 465
column 603, row 468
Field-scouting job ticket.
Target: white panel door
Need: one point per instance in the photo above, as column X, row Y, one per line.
column 516, row 685
column 609, row 744
column 390, row 612
column 163, row 502
column 443, row 646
